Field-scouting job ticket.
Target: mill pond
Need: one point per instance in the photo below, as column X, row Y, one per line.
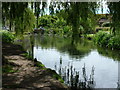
column 79, row 62
column 70, row 45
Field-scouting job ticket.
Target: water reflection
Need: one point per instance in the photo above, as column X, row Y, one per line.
column 114, row 54
column 73, row 78
column 65, row 45
column 28, row 44
column 65, row 55
column 118, row 83
column 77, row 53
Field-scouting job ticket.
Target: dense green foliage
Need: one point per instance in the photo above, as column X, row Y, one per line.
column 71, row 20
column 107, row 40
column 27, row 24
column 114, row 42
column 111, row 40
column 7, row 37
column 20, row 18
column 58, row 25
column 80, row 22
column 114, row 11
column 55, row 25
column 47, row 20
column 64, row 19
column 12, row 11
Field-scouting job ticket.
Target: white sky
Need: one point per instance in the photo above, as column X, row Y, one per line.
column 105, row 8
column 103, row 3
column 99, row 11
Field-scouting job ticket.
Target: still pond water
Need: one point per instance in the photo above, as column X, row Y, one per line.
column 56, row 52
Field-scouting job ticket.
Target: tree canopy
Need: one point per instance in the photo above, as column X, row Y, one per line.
column 79, row 15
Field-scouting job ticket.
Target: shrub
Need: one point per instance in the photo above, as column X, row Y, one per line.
column 66, row 29
column 7, row 37
column 107, row 40
column 99, row 38
column 114, row 42
column 47, row 21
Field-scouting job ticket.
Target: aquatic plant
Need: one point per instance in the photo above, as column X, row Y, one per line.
column 72, row 77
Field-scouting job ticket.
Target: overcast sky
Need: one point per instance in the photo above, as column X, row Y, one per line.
column 105, row 8
column 99, row 10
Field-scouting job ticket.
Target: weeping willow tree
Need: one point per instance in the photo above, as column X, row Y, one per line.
column 25, row 23
column 76, row 14
column 19, row 16
column 114, row 8
column 39, row 10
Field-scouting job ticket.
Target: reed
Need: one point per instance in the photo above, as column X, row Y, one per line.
column 72, row 77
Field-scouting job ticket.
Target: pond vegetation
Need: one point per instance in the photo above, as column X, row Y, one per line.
column 89, row 54
column 73, row 29
column 72, row 77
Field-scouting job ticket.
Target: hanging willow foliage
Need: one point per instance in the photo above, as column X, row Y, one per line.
column 75, row 13
column 29, row 20
column 114, row 8
column 19, row 16
column 25, row 23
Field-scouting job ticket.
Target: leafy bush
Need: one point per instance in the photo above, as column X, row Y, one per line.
column 90, row 36
column 7, row 37
column 60, row 23
column 47, row 21
column 114, row 42
column 99, row 38
column 54, row 25
column 66, row 29
column 107, row 40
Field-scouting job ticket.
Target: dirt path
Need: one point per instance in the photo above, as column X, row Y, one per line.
column 27, row 76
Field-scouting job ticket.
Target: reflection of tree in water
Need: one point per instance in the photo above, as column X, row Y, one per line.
column 76, row 49
column 73, row 78
column 73, row 51
column 118, row 84
column 114, row 54
column 44, row 41
column 28, row 44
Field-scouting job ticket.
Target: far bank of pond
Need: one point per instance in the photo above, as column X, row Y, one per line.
column 63, row 55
